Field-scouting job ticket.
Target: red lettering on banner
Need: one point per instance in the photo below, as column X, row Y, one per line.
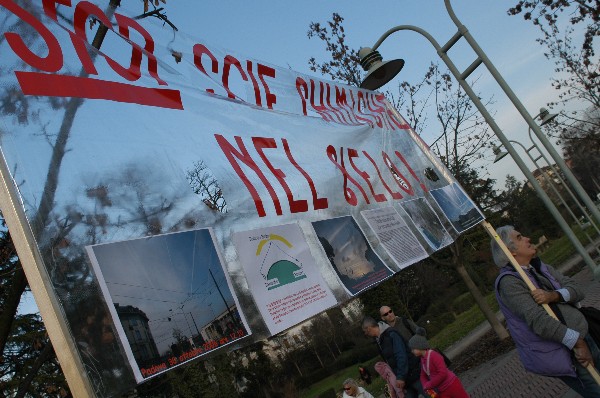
column 339, row 116
column 200, row 50
column 125, row 23
column 392, row 116
column 398, row 176
column 318, row 203
column 360, row 105
column 232, row 153
column 269, row 72
column 260, row 144
column 410, row 170
column 35, row 83
column 231, row 60
column 302, row 86
column 377, row 110
column 379, row 197
column 363, row 108
column 395, row 195
column 52, row 62
column 82, row 11
column 50, row 7
column 254, row 83
column 341, row 102
column 320, row 109
column 296, row 206
column 348, row 193
column 39, row 83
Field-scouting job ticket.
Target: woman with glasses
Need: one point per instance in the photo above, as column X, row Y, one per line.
column 352, row 389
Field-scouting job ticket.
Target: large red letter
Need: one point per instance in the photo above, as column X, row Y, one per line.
column 353, row 153
column 301, row 85
column 296, row 206
column 270, row 72
column 318, row 203
column 199, row 50
column 136, row 52
column 230, row 60
column 348, row 193
column 52, row 62
column 410, row 170
column 395, row 195
column 231, row 153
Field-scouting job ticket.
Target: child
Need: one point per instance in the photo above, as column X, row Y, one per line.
column 437, row 380
column 364, row 374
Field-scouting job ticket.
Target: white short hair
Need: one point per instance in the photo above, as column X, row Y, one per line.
column 504, row 233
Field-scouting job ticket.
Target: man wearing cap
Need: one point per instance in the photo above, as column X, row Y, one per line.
column 558, row 348
column 396, row 354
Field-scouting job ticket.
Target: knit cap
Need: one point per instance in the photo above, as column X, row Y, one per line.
column 418, row 342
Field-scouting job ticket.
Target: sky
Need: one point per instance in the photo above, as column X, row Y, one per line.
column 166, row 277
column 276, row 33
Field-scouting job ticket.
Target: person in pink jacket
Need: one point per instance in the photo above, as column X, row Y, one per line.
column 437, row 380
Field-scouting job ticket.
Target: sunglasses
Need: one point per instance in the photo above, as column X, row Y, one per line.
column 387, row 313
column 347, row 388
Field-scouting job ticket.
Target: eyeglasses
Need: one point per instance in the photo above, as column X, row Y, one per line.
column 347, row 388
column 387, row 313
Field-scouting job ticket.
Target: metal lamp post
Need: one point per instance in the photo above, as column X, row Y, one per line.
column 379, row 73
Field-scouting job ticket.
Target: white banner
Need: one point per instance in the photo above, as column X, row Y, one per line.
column 160, row 136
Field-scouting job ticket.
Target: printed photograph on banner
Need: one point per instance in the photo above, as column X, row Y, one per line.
column 395, row 236
column 457, row 206
column 427, row 223
column 350, row 254
column 170, row 298
column 282, row 275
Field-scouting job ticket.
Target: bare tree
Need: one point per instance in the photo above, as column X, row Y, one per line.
column 548, row 14
column 205, row 184
column 577, row 69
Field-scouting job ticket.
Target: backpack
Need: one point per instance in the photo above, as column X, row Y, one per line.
column 592, row 316
column 447, row 360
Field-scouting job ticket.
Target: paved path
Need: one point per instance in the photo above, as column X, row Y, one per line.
column 504, row 376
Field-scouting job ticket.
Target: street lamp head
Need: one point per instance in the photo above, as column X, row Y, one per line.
column 378, row 72
column 500, row 154
column 546, row 116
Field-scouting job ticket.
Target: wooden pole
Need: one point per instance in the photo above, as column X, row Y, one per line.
column 492, row 232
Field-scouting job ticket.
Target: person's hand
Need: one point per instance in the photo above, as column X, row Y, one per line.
column 582, row 353
column 542, row 296
column 400, row 384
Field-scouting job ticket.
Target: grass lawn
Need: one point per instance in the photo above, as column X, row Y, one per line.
column 335, row 381
column 561, row 249
column 462, row 325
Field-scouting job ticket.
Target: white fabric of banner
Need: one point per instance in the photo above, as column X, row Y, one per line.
column 163, row 148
